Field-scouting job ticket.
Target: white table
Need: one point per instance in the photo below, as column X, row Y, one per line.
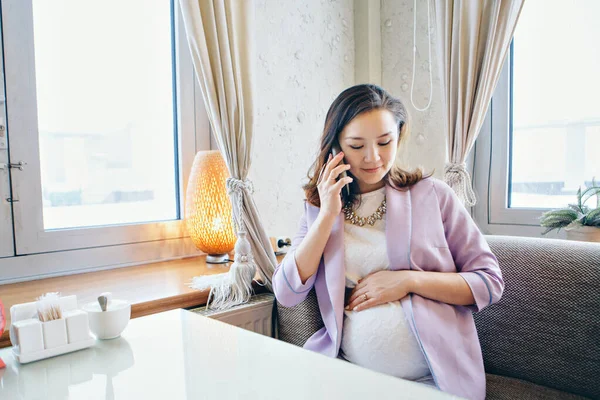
column 182, row 355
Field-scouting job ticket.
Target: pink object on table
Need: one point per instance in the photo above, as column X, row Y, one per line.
column 2, row 326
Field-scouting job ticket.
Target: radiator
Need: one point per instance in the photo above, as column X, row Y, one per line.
column 255, row 316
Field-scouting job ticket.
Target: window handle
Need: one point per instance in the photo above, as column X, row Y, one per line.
column 18, row 165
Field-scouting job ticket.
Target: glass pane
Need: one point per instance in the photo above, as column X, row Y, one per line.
column 556, row 118
column 104, row 79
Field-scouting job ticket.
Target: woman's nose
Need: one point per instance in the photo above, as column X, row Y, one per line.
column 371, row 155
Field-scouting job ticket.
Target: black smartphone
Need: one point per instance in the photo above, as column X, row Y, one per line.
column 334, row 151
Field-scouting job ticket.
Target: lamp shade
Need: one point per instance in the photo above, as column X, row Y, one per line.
column 208, row 214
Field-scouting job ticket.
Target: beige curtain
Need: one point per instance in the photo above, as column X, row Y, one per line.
column 473, row 39
column 221, row 35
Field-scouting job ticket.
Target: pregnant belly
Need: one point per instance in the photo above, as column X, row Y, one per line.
column 380, row 339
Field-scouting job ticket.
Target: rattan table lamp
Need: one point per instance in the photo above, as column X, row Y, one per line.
column 208, row 214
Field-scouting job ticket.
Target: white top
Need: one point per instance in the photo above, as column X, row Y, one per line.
column 377, row 338
column 181, row 355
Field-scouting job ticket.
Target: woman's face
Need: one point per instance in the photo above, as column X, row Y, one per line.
column 370, row 143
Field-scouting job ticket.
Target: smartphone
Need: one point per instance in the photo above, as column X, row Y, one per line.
column 334, row 151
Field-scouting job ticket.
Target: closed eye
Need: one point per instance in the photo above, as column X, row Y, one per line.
column 381, row 144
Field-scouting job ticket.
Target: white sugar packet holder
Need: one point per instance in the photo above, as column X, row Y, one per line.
column 34, row 340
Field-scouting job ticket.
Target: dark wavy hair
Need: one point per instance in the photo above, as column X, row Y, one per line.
column 348, row 105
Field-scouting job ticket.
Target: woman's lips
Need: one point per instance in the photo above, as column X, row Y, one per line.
column 371, row 170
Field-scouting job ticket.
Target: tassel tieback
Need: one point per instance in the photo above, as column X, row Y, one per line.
column 458, row 178
column 235, row 287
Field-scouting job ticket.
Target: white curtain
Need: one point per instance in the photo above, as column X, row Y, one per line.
column 221, row 35
column 474, row 37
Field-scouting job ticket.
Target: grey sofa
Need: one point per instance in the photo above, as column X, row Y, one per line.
column 541, row 340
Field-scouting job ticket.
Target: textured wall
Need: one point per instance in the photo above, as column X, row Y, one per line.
column 305, row 58
column 426, row 146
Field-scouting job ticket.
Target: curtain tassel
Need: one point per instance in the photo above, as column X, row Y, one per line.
column 458, row 178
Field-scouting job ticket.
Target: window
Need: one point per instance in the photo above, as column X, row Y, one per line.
column 554, row 108
column 107, row 147
column 105, row 114
column 541, row 139
column 102, row 118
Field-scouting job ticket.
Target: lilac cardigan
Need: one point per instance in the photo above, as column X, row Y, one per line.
column 427, row 229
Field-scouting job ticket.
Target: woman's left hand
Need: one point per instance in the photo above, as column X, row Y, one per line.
column 379, row 288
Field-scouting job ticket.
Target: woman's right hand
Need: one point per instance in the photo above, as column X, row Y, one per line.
column 329, row 189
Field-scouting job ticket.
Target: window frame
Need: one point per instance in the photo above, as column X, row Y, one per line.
column 6, row 227
column 491, row 169
column 36, row 253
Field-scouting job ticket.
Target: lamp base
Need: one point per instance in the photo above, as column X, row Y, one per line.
column 217, row 258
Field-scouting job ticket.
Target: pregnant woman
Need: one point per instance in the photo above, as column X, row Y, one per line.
column 397, row 263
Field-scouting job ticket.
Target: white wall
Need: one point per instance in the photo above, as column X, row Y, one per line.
column 305, row 52
column 426, row 145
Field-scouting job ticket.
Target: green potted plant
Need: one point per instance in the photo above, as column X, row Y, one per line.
column 580, row 221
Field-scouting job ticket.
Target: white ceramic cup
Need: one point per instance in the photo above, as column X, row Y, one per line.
column 108, row 324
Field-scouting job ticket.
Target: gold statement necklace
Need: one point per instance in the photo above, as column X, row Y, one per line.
column 360, row 221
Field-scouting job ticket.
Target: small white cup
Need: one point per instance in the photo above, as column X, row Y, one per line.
column 108, row 324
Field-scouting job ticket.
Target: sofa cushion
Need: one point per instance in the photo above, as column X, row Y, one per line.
column 546, row 327
column 505, row 388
